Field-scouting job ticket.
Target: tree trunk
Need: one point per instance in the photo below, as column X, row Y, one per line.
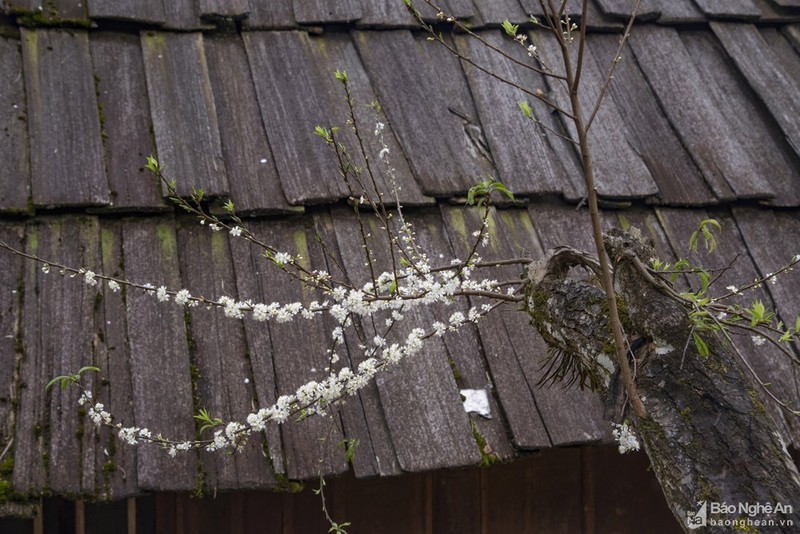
column 708, row 437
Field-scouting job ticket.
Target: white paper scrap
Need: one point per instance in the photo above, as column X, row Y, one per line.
column 476, row 401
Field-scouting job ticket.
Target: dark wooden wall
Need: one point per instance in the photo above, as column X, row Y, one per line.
column 566, row 490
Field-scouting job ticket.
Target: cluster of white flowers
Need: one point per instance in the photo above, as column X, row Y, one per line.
column 625, row 438
column 89, row 278
column 758, row 340
column 282, row 258
column 99, row 415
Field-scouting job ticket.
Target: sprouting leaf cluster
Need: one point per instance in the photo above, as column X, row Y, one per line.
column 479, row 194
column 205, row 420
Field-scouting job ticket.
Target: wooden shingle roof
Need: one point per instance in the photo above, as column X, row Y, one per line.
column 702, row 120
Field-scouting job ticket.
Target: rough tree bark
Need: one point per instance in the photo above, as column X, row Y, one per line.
column 706, row 431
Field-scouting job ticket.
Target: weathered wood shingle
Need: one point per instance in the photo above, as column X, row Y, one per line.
column 183, row 112
column 419, row 395
column 221, row 362
column 15, row 182
column 250, row 166
column 159, row 354
column 434, row 114
column 693, row 108
column 124, row 108
column 530, row 158
column 292, row 103
column 66, row 168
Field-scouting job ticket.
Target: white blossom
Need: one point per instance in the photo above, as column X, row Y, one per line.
column 625, row 437
column 128, row 435
column 282, row 258
column 183, row 297
column 439, row 328
column 98, row 415
column 113, row 285
column 236, row 231
column 162, row 294
column 456, row 319
column 758, row 340
column 89, row 278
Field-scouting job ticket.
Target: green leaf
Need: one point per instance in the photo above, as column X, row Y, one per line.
column 197, row 195
column 88, row 368
column 324, row 133
column 693, row 241
column 702, row 348
column 228, row 206
column 757, row 312
column 797, row 324
column 153, row 165
column 526, row 109
column 703, row 282
column 510, row 29
column 63, row 379
column 340, row 75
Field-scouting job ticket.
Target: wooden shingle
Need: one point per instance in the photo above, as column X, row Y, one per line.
column 693, row 108
column 337, row 52
column 66, row 170
column 738, row 9
column 247, row 265
column 147, row 11
column 15, row 181
column 649, row 131
column 325, row 12
column 236, row 9
column 466, row 349
column 387, row 14
column 159, row 355
column 270, row 14
column 760, row 138
column 115, row 472
column 513, row 350
column 182, row 108
column 434, row 116
column 125, row 120
column 677, row 11
column 49, row 447
column 419, row 395
column 182, row 14
column 253, row 178
column 771, row 66
column 295, row 362
column 11, row 302
column 494, row 13
column 292, row 105
column 220, row 357
column 362, row 416
column 530, row 160
column 619, row 170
